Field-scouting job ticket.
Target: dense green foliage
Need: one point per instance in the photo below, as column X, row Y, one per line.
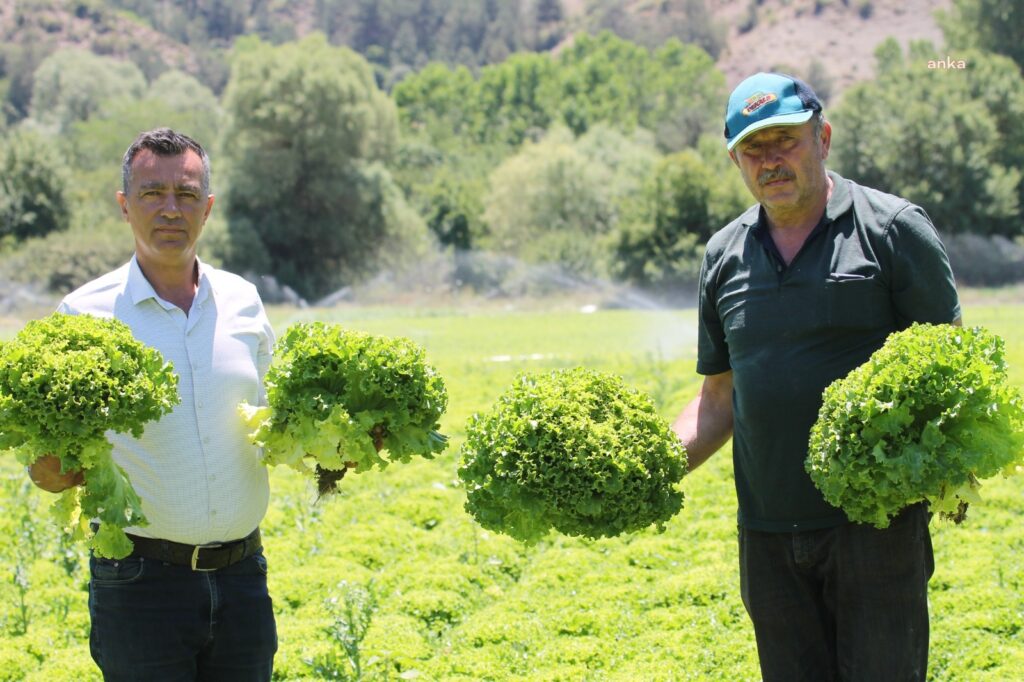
column 451, row 601
column 175, row 98
column 334, row 394
column 673, row 91
column 33, row 193
column 351, row 138
column 73, row 85
column 63, row 261
column 308, row 134
column 395, row 35
column 574, row 450
column 688, row 20
column 550, row 204
column 686, row 198
column 927, row 416
column 993, row 25
column 969, row 179
column 65, row 381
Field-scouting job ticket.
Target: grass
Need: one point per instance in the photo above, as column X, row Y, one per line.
column 445, row 600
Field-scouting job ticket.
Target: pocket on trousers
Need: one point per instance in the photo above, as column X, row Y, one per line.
column 116, row 571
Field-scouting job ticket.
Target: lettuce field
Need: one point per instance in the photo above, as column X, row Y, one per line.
column 391, row 580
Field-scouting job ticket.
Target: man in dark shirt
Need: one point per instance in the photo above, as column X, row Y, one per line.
column 794, row 294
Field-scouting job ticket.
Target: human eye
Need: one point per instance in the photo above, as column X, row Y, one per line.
column 788, row 141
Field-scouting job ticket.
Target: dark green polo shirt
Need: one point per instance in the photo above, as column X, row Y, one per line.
column 872, row 266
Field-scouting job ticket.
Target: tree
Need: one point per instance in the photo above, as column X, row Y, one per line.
column 437, row 101
column 627, row 159
column 307, row 138
column 20, row 63
column 514, row 98
column 687, row 197
column 993, row 25
column 33, row 187
column 602, row 79
column 549, row 204
column 454, row 210
column 548, row 11
column 683, row 96
column 175, row 100
column 72, row 85
column 403, row 46
column 951, row 141
column 689, row 21
column 676, row 92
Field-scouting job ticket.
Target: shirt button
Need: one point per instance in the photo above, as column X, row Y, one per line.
column 206, row 439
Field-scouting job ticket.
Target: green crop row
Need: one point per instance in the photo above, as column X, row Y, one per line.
column 392, row 576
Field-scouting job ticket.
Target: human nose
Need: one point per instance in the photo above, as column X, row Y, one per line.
column 170, row 207
column 770, row 156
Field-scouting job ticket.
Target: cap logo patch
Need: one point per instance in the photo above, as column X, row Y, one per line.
column 757, row 101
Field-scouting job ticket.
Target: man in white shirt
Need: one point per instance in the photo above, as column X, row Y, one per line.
column 190, row 602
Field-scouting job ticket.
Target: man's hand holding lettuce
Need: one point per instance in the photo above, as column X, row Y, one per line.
column 65, row 381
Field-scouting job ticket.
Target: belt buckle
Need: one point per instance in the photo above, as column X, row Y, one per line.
column 195, row 556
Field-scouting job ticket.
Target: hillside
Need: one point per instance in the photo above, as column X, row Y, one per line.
column 842, row 35
column 46, row 25
column 789, row 35
column 830, row 39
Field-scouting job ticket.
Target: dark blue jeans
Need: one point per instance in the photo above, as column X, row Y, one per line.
column 163, row 623
column 847, row 603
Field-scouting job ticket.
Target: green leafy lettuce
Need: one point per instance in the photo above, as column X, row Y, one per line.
column 334, row 395
column 927, row 416
column 574, row 450
column 66, row 380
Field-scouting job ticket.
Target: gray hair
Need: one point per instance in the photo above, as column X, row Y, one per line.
column 164, row 142
column 819, row 123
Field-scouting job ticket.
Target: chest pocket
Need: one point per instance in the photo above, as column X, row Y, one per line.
column 854, row 302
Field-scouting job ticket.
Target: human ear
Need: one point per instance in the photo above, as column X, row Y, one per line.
column 122, row 201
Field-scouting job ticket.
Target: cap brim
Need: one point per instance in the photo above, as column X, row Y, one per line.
column 781, row 120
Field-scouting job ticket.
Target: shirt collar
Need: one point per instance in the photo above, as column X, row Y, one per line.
column 140, row 289
column 839, row 202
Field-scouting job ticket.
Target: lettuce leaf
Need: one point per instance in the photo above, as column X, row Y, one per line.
column 66, row 380
column 927, row 417
column 574, row 450
column 331, row 392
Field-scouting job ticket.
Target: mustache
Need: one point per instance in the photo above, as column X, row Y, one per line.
column 773, row 175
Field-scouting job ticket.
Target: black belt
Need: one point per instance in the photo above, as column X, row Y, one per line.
column 209, row 557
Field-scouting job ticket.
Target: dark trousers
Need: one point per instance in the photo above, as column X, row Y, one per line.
column 847, row 603
column 163, row 623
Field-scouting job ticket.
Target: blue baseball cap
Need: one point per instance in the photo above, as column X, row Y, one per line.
column 767, row 99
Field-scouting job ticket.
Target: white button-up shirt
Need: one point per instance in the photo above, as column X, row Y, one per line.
column 199, row 477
